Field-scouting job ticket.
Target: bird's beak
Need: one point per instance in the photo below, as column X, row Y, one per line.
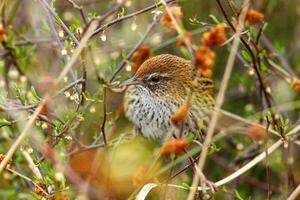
column 131, row 81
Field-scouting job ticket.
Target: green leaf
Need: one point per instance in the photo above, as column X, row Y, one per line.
column 246, row 56
column 121, row 12
column 162, row 8
column 4, row 122
column 190, row 137
column 14, row 90
column 194, row 21
column 214, row 149
column 264, row 27
column 92, row 15
column 252, row 31
column 238, row 195
column 23, row 96
column 215, row 20
column 34, row 94
column 185, row 52
column 185, row 185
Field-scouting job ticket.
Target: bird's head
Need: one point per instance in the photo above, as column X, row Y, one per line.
column 164, row 75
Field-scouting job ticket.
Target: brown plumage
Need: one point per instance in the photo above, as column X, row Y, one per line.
column 156, row 91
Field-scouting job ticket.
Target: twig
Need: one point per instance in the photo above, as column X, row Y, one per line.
column 266, row 139
column 7, row 109
column 129, row 55
column 77, row 51
column 27, row 179
column 168, row 179
column 80, row 10
column 55, row 34
column 245, row 121
column 180, row 31
column 69, row 65
column 255, row 67
column 293, row 134
column 52, row 12
column 295, row 194
column 255, row 181
column 22, row 136
column 257, row 159
column 32, row 166
column 114, row 9
column 70, row 85
column 101, row 29
column 28, row 41
column 281, row 58
column 82, row 185
column 102, row 128
column 219, row 101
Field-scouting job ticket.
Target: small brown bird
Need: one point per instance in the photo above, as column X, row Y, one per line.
column 157, row 90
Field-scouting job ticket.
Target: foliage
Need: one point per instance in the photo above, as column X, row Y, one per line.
column 63, row 133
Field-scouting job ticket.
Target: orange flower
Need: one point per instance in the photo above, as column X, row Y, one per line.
column 176, row 146
column 256, row 133
column 180, row 115
column 296, row 85
column 186, row 34
column 140, row 56
column 44, row 110
column 2, row 32
column 253, row 17
column 140, row 177
column 166, row 19
column 215, row 37
column 205, row 57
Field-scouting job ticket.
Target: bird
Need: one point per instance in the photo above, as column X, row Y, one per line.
column 156, row 91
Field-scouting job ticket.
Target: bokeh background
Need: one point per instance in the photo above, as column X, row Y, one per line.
column 35, row 49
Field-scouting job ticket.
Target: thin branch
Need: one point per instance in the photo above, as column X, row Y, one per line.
column 114, row 9
column 293, row 134
column 64, row 26
column 219, row 101
column 27, row 179
column 28, row 41
column 180, row 31
column 281, row 58
column 255, row 67
column 63, row 73
column 102, row 128
column 101, row 29
column 266, row 139
column 70, row 85
column 137, row 46
column 295, row 194
column 55, row 34
column 22, row 136
column 32, row 166
column 80, row 10
column 77, row 51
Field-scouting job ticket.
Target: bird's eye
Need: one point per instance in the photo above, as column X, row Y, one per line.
column 154, row 79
